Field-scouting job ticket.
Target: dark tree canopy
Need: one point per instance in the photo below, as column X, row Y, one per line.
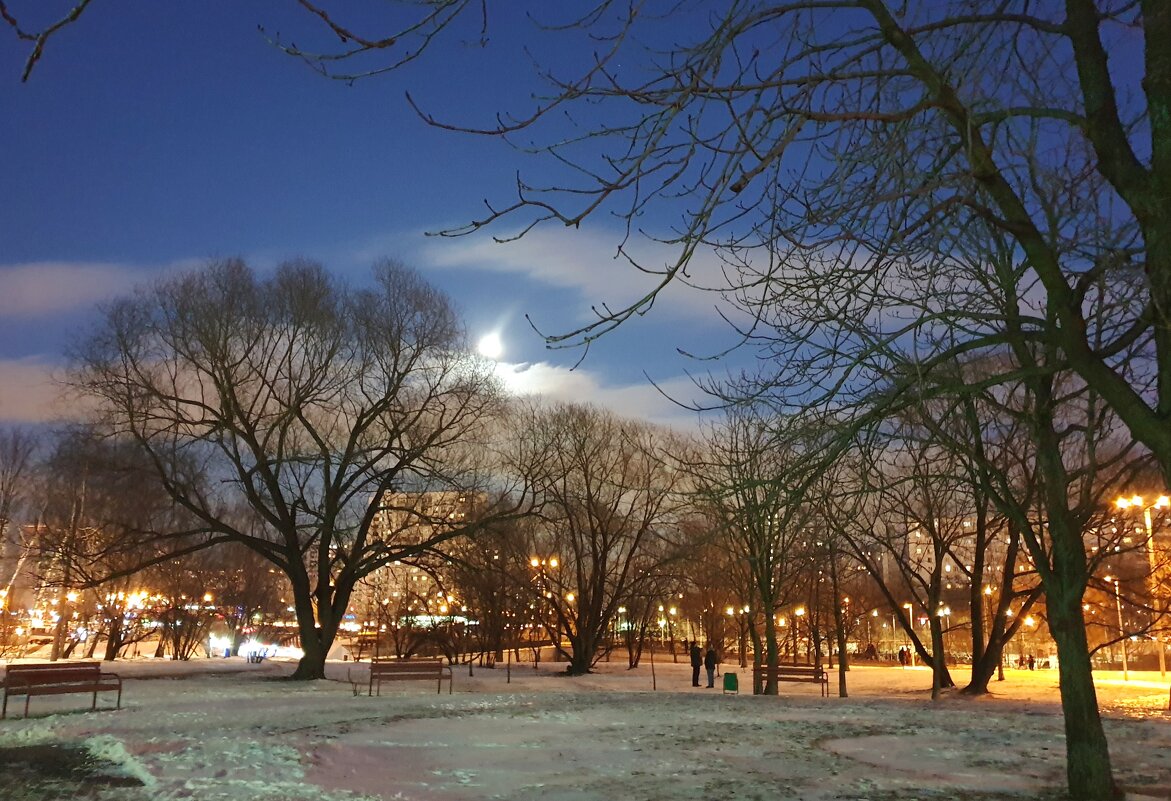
column 285, row 413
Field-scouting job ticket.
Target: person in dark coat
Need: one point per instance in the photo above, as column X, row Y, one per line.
column 709, row 663
column 696, row 663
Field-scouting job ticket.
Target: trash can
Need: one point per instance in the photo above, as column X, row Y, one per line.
column 731, row 683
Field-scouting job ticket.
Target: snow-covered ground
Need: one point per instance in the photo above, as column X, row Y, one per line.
column 225, row 729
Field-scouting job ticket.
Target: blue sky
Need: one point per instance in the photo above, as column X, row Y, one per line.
column 154, row 136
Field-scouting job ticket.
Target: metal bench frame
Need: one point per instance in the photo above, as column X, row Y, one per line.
column 58, row 679
column 406, row 670
column 814, row 674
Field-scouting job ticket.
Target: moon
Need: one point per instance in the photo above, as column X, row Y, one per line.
column 490, row 346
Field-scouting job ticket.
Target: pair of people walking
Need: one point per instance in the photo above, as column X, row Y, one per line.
column 707, row 661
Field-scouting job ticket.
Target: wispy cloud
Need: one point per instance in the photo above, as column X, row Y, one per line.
column 586, row 261
column 36, row 289
column 29, row 392
column 640, row 401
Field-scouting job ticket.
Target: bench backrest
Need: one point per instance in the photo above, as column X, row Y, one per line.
column 54, row 674
column 791, row 670
column 407, row 668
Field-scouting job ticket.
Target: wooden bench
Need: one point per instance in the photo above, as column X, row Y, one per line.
column 406, row 670
column 58, row 679
column 804, row 673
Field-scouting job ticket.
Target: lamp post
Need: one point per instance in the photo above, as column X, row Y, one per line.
column 541, row 566
column 798, row 613
column 1121, row 629
column 1030, row 640
column 730, row 612
column 1162, row 502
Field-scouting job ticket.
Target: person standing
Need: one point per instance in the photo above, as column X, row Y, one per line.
column 696, row 663
column 709, row 663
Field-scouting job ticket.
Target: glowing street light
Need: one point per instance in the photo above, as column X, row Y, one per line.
column 1162, row 502
column 1121, row 629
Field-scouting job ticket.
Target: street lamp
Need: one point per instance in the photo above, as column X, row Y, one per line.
column 798, row 613
column 544, row 599
column 1030, row 641
column 1162, row 502
column 1121, row 629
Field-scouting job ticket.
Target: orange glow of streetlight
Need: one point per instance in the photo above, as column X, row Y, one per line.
column 1162, row 502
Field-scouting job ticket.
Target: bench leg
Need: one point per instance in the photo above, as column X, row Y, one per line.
column 93, row 707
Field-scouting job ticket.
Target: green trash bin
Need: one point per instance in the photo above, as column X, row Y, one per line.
column 731, row 683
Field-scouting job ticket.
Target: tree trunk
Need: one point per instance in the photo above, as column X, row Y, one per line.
column 114, row 640
column 315, row 638
column 582, row 657
column 312, row 664
column 939, row 671
column 770, row 653
column 1064, row 574
column 839, row 626
column 983, row 669
column 1087, row 754
column 59, row 630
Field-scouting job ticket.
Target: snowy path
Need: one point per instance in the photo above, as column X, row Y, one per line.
column 217, row 731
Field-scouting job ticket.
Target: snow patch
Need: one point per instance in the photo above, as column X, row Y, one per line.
column 121, row 762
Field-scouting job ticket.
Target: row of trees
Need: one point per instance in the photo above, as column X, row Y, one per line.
column 912, row 202
column 917, row 205
column 294, row 422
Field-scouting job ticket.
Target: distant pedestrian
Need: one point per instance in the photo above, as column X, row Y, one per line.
column 1032, row 662
column 709, row 663
column 696, row 663
column 903, row 656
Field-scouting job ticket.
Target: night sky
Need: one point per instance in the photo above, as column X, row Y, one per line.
column 155, row 136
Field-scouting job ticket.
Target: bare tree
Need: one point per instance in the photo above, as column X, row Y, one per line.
column 247, row 590
column 753, row 481
column 38, row 38
column 831, row 151
column 611, row 502
column 92, row 495
column 17, row 464
column 307, row 402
